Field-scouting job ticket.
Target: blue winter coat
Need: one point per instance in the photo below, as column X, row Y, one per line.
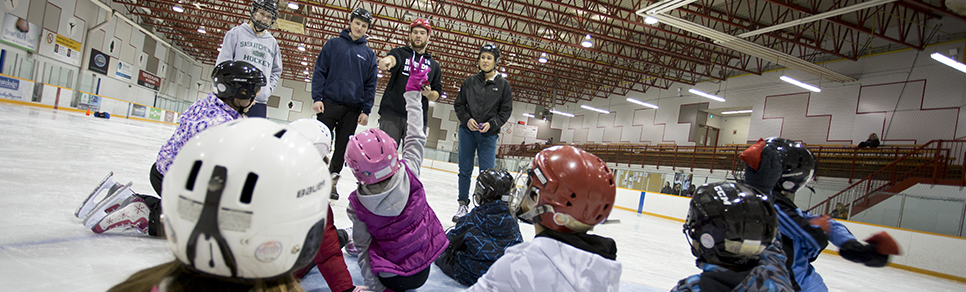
column 345, row 73
column 483, row 236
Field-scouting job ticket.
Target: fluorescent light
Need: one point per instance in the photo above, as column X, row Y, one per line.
column 712, row 97
column 307, row 80
column 379, row 75
column 736, row 112
column 641, row 103
column 305, row 63
column 293, row 5
column 949, row 61
column 504, row 75
column 306, row 72
column 202, row 30
column 800, row 84
column 543, row 58
column 301, row 48
column 177, row 9
column 650, row 20
column 219, row 49
column 595, row 109
column 562, row 113
column 529, row 115
column 587, row 43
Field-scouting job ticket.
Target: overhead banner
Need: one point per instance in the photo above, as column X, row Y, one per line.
column 123, row 70
column 15, row 89
column 149, row 80
column 98, row 62
column 20, row 33
column 61, row 48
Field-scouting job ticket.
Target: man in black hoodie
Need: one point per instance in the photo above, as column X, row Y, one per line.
column 483, row 105
column 392, row 108
column 343, row 99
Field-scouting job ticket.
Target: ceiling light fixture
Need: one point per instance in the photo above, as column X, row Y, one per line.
column 736, row 112
column 306, row 72
column 948, row 61
column 562, row 113
column 709, row 96
column 293, row 5
column 595, row 109
column 307, row 80
column 305, row 63
column 650, row 20
column 529, row 115
column 543, row 58
column 587, row 43
column 202, row 30
column 301, row 48
column 800, row 84
column 641, row 103
column 177, row 9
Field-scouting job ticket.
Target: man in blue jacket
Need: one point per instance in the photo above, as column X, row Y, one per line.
column 344, row 98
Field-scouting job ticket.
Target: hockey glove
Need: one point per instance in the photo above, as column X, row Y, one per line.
column 857, row 252
column 417, row 76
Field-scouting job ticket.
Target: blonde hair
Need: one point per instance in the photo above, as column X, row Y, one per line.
column 183, row 279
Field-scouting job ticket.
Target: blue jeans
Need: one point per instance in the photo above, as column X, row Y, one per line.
column 471, row 144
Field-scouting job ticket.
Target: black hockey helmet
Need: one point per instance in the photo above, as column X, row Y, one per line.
column 489, row 48
column 268, row 5
column 730, row 223
column 492, row 185
column 361, row 14
column 798, row 164
column 237, row 79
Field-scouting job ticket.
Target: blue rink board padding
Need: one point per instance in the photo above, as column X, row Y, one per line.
column 313, row 281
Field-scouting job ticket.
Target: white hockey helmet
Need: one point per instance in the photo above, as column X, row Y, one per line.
column 246, row 199
column 316, row 132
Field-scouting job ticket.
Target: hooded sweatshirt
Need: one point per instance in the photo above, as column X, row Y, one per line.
column 242, row 44
column 345, row 73
column 393, row 226
column 555, row 261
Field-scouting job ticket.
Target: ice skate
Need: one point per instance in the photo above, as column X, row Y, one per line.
column 335, row 192
column 106, row 184
column 464, row 209
column 132, row 213
column 108, row 204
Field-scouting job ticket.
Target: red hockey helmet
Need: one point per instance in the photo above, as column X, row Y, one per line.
column 421, row 22
column 571, row 190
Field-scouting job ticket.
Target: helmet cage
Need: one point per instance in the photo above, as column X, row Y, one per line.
column 270, row 7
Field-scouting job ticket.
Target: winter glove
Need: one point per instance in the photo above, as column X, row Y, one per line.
column 855, row 251
column 417, row 76
column 884, row 243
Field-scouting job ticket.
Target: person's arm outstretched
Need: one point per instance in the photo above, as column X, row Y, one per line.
column 415, row 139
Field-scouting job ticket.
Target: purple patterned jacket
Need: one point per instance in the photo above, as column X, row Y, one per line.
column 206, row 112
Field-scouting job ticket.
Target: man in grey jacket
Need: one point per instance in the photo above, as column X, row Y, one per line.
column 483, row 105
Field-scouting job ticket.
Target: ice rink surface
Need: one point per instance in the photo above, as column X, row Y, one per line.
column 50, row 161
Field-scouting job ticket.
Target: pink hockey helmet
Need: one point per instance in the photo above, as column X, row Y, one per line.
column 372, row 156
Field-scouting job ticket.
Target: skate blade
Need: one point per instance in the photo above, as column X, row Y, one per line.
column 98, row 213
column 85, row 208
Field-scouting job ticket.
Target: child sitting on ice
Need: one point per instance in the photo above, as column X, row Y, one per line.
column 397, row 234
column 482, row 236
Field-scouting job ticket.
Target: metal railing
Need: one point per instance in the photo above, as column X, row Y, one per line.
column 936, row 162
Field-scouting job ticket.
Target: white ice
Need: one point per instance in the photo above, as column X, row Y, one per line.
column 50, row 160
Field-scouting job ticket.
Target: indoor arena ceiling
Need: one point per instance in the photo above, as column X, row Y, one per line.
column 695, row 41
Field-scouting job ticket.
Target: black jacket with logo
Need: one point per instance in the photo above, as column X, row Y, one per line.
column 486, row 101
